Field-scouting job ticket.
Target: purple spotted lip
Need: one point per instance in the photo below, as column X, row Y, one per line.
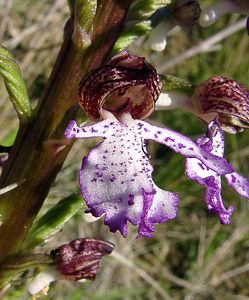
column 115, row 177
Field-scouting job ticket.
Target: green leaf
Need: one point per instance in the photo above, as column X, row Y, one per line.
column 143, row 9
column 84, row 13
column 52, row 221
column 127, row 37
column 9, row 138
column 14, row 84
column 175, row 84
column 143, row 27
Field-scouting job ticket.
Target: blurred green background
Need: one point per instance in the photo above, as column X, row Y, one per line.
column 191, row 257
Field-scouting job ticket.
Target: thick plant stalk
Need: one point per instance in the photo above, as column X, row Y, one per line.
column 40, row 149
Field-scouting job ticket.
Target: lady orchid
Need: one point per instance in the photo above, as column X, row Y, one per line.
column 116, row 176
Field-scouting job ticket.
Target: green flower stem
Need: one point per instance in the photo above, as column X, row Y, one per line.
column 31, row 161
column 13, row 267
column 15, row 85
column 143, row 9
column 174, row 84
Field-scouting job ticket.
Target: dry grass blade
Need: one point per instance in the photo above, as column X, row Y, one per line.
column 219, row 255
column 130, row 264
column 210, row 44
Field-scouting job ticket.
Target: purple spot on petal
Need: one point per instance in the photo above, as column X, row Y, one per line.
column 233, row 178
column 131, row 200
column 169, row 139
column 201, row 165
column 181, row 146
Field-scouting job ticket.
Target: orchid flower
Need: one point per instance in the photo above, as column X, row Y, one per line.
column 115, row 177
column 221, row 7
column 213, row 142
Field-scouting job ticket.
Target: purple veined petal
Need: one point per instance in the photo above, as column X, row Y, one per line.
column 214, row 201
column 161, row 207
column 197, row 171
column 184, row 146
column 216, row 137
column 238, row 183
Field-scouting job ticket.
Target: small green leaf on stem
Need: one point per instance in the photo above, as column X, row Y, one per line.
column 52, row 221
column 15, row 85
column 84, row 13
column 130, row 35
column 143, row 9
column 143, row 27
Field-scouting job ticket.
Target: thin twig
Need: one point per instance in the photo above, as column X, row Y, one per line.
column 230, row 274
column 219, row 255
column 208, row 45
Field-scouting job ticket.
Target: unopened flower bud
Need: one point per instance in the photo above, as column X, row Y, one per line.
column 80, row 258
column 225, row 98
column 186, row 12
column 125, row 83
column 40, row 284
column 222, row 7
